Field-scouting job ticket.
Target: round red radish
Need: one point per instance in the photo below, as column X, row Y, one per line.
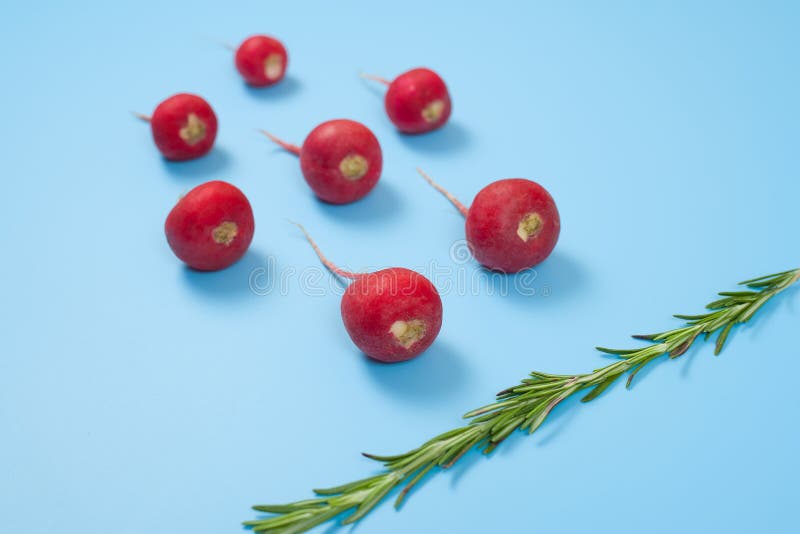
column 184, row 127
column 210, row 227
column 261, row 60
column 512, row 224
column 417, row 101
column 341, row 160
column 392, row 315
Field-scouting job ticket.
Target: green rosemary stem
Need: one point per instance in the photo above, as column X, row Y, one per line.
column 524, row 406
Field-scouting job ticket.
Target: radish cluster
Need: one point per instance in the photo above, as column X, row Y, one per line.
column 393, row 314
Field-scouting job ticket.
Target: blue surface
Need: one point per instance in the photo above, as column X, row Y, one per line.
column 137, row 396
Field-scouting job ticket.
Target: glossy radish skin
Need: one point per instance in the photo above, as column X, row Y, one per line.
column 392, row 315
column 512, row 225
column 211, row 227
column 184, row 127
column 418, row 101
column 261, row 60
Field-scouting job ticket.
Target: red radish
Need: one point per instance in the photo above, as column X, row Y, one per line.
column 513, row 224
column 417, row 101
column 392, row 315
column 341, row 160
column 184, row 127
column 261, row 60
column 210, row 227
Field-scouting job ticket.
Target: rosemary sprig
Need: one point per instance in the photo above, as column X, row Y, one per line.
column 524, row 406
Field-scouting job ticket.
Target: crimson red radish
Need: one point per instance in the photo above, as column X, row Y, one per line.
column 184, row 127
column 512, row 224
column 417, row 101
column 392, row 315
column 210, row 227
column 341, row 160
column 261, row 60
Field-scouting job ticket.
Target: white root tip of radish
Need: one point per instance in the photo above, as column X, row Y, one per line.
column 529, row 226
column 193, row 131
column 273, row 67
column 406, row 333
column 353, row 167
column 433, row 111
column 225, row 233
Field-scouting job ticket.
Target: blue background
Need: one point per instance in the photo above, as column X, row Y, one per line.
column 138, row 396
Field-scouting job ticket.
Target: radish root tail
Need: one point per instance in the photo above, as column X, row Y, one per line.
column 375, row 78
column 141, row 116
column 294, row 149
column 325, row 261
column 459, row 206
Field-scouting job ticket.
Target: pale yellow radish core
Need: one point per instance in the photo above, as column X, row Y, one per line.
column 433, row 111
column 225, row 233
column 529, row 226
column 408, row 332
column 194, row 130
column 273, row 66
column 353, row 167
